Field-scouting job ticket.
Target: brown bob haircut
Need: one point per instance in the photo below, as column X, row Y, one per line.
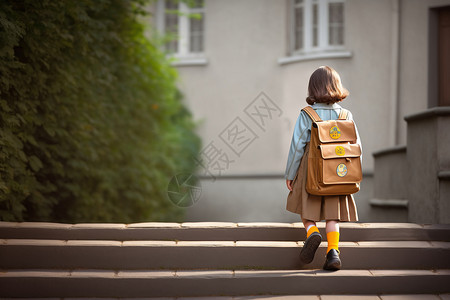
column 325, row 87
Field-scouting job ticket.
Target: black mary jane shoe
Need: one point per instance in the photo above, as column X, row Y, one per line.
column 333, row 262
column 309, row 248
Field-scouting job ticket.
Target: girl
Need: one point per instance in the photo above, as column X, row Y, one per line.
column 324, row 91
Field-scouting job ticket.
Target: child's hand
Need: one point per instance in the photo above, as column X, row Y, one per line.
column 289, row 184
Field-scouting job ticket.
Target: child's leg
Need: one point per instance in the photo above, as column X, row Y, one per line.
column 310, row 227
column 312, row 242
column 332, row 229
column 333, row 261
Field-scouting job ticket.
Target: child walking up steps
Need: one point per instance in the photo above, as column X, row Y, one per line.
column 324, row 92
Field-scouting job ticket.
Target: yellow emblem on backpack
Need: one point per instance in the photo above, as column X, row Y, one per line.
column 339, row 150
column 341, row 170
column 335, row 132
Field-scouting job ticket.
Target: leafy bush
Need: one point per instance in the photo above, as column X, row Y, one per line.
column 92, row 126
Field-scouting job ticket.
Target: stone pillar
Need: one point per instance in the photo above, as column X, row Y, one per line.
column 390, row 192
column 390, row 184
column 428, row 158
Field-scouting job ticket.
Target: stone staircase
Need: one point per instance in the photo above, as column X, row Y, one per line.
column 49, row 260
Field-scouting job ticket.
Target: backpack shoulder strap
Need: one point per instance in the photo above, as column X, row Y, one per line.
column 312, row 113
column 343, row 114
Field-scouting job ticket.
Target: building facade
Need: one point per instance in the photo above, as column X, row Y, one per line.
column 244, row 68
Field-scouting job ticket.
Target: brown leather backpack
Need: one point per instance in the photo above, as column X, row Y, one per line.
column 334, row 165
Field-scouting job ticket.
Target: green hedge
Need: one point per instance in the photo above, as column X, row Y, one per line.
column 92, row 126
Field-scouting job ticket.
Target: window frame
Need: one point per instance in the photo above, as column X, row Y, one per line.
column 183, row 55
column 322, row 30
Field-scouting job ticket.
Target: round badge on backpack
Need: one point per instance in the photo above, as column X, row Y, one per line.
column 339, row 150
column 335, row 132
column 341, row 170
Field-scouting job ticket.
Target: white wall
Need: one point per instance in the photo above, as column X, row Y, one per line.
column 243, row 41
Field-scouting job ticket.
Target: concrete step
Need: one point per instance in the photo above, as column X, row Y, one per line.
column 286, row 297
column 214, row 231
column 175, row 283
column 116, row 255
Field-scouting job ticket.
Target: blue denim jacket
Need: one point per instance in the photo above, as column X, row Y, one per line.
column 302, row 134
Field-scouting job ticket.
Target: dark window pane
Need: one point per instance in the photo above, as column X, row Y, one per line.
column 315, row 29
column 298, row 28
column 171, row 25
column 195, row 3
column 336, row 24
column 196, row 34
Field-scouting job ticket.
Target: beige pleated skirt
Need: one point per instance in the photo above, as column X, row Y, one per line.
column 318, row 208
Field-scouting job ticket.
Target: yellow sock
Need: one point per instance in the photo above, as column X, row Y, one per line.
column 311, row 230
column 333, row 240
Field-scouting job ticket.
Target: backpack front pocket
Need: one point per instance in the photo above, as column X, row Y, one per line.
column 336, row 131
column 341, row 163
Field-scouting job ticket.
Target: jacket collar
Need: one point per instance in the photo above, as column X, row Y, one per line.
column 326, row 106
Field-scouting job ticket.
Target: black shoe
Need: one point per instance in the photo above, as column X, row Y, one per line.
column 309, row 248
column 333, row 263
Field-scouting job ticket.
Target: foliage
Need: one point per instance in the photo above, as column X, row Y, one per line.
column 92, row 126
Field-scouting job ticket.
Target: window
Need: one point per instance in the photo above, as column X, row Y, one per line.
column 171, row 26
column 317, row 26
column 196, row 28
column 183, row 24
